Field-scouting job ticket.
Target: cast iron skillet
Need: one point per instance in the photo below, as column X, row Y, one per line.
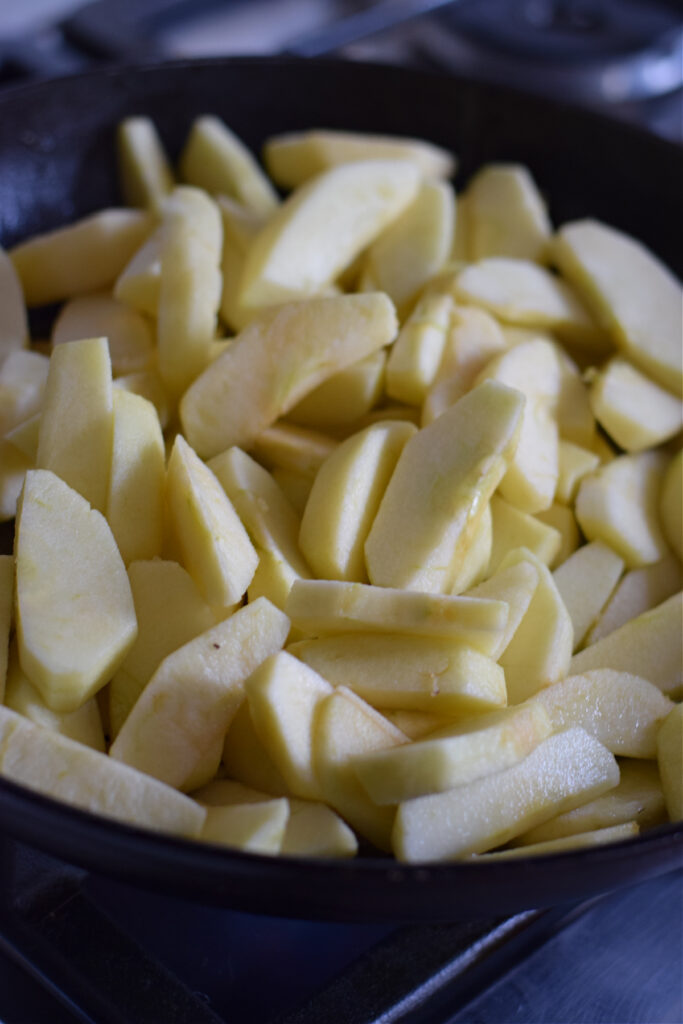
column 57, row 163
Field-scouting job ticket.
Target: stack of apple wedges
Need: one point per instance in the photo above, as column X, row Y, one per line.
column 353, row 515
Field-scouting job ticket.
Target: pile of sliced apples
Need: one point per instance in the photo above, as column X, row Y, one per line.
column 353, row 515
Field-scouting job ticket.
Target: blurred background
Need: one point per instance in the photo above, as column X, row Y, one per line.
column 625, row 56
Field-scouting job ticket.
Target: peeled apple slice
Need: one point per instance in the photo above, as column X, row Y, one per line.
column 565, row 770
column 443, row 480
column 67, row 558
column 322, row 227
column 146, row 176
column 635, row 412
column 506, row 214
column 129, row 335
column 281, row 356
column 294, row 157
column 61, row 768
column 630, row 291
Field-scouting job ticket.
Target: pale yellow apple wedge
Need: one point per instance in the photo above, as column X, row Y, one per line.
column 416, row 245
column 635, row 412
column 214, row 545
column 473, row 566
column 630, row 291
column 670, row 761
column 345, row 727
column 540, row 651
column 77, row 423
column 139, row 282
column 255, row 828
column 281, row 356
column 512, row 528
column 343, row 399
column 83, row 725
column 638, row 797
column 407, row 672
column 23, row 376
column 585, row 582
column 416, row 354
column 13, row 320
column 332, row 606
column 137, row 480
column 344, row 499
column 563, row 521
column 61, row 768
column 128, row 333
column 621, row 710
column 75, row 617
column 574, row 463
column 636, row 592
column 507, row 215
column 246, row 759
column 188, row 704
column 563, row 771
column 144, row 171
column 444, row 477
column 319, row 230
column 575, row 841
column 189, row 287
column 215, row 159
column 619, row 504
column 574, row 414
column 170, row 611
column 648, row 646
column 284, row 695
column 516, row 585
column 454, row 756
column 82, row 257
column 295, row 157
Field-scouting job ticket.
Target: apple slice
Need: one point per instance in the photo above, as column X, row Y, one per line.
column 66, row 558
column 506, row 214
column 281, row 356
column 345, row 727
column 638, row 797
column 295, row 157
column 513, row 528
column 246, row 759
column 215, row 546
column 255, row 828
column 635, row 412
column 333, row 606
column 630, row 291
column 442, row 482
column 189, row 702
column 139, row 282
column 453, row 756
column 322, row 227
column 215, row 159
column 144, row 170
column 576, row 841
column 23, row 376
column 561, row 773
column 516, row 585
column 345, row 397
column 61, row 768
column 284, row 696
column 619, row 504
column 574, row 463
column 77, row 423
column 621, row 710
column 344, row 499
column 638, row 591
column 82, row 257
column 585, row 582
column 561, row 519
column 397, row 671
column 670, row 761
column 129, row 335
column 416, row 354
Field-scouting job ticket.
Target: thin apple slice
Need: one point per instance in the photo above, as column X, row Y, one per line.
column 454, row 756
column 343, row 399
column 333, row 606
column 515, row 585
column 417, row 352
column 638, row 797
column 585, row 582
column 443, row 480
column 506, row 214
column 139, row 282
column 630, row 291
column 144, row 170
column 575, row 841
column 188, row 704
column 621, row 710
column 61, row 768
column 638, row 591
column 281, row 356
column 563, row 771
column 407, row 672
column 67, row 558
column 321, row 228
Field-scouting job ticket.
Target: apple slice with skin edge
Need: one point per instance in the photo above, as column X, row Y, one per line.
column 68, row 565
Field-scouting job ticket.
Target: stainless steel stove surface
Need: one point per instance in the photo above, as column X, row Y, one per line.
column 75, row 947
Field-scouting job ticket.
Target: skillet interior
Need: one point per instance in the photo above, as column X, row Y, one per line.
column 57, row 163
